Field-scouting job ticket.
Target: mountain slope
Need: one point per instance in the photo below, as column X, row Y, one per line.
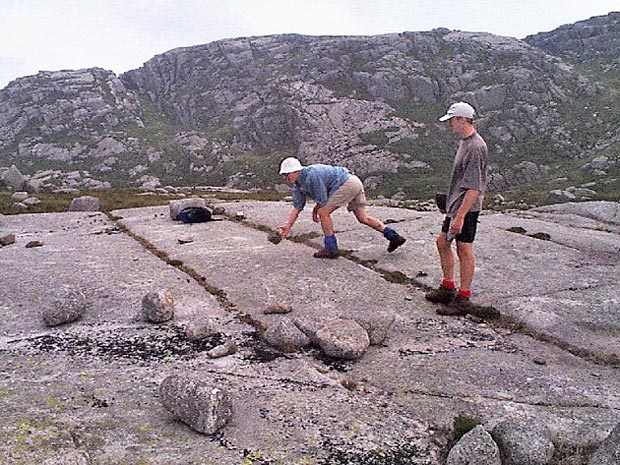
column 225, row 113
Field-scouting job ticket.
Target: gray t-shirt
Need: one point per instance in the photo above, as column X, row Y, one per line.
column 468, row 173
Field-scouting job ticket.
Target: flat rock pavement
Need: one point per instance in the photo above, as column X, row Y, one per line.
column 89, row 389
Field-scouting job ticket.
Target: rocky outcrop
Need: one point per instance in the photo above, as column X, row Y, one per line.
column 368, row 102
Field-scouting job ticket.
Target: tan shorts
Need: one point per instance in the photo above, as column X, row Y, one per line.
column 351, row 194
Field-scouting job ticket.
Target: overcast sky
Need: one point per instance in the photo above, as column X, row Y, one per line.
column 120, row 35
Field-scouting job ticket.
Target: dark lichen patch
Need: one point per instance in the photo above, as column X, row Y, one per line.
column 541, row 235
column 257, row 351
column 162, row 343
column 517, row 230
column 394, row 455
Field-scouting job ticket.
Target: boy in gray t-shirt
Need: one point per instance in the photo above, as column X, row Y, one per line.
column 463, row 205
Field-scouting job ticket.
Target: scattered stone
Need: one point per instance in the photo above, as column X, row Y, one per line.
column 475, row 447
column 524, row 442
column 158, row 307
column 32, row 244
column 31, row 201
column 540, row 361
column 343, row 339
column 286, row 337
column 85, row 203
column 223, row 350
column 200, row 328
column 541, row 235
column 274, row 238
column 185, row 240
column 73, row 457
column 204, row 407
column 19, row 196
column 177, row 205
column 377, row 324
column 240, row 216
column 310, row 325
column 13, row 178
column 7, row 239
column 65, row 307
column 608, row 452
column 278, row 307
column 560, row 196
column 582, row 193
column 219, row 210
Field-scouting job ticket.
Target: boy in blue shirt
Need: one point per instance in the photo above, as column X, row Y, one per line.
column 331, row 187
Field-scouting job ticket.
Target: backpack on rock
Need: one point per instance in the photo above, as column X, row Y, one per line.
column 194, row 215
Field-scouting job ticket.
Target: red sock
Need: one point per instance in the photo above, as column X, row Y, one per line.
column 448, row 284
column 464, row 293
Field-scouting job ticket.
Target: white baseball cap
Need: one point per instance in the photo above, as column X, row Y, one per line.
column 290, row 165
column 462, row 109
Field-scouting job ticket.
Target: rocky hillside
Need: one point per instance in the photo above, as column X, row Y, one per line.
column 226, row 112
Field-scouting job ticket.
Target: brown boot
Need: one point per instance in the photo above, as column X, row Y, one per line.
column 459, row 305
column 441, row 295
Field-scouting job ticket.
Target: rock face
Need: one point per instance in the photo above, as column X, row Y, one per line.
column 608, row 452
column 204, row 407
column 368, row 102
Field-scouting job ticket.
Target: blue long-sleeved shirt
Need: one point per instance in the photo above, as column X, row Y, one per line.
column 318, row 182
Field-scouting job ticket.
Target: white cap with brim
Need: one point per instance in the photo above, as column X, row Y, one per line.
column 462, row 109
column 290, row 165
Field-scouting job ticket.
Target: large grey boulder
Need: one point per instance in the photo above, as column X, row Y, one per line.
column 14, row 179
column 19, row 196
column 286, row 336
column 524, row 442
column 85, row 203
column 66, row 306
column 475, row 447
column 560, row 196
column 608, row 452
column 200, row 405
column 177, row 205
column 343, row 339
column 158, row 306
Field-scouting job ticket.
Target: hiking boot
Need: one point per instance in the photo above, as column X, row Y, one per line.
column 459, row 305
column 395, row 243
column 327, row 253
column 441, row 295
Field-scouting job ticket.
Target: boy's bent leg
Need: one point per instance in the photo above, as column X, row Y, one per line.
column 327, row 224
column 364, row 218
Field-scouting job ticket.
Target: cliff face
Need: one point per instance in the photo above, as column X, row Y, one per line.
column 228, row 111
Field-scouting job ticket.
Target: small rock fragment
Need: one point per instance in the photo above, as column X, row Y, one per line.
column 274, row 238
column 278, row 307
column 223, row 350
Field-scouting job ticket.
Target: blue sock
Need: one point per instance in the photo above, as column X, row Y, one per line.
column 330, row 243
column 389, row 233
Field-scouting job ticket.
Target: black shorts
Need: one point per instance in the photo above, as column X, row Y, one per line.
column 468, row 233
